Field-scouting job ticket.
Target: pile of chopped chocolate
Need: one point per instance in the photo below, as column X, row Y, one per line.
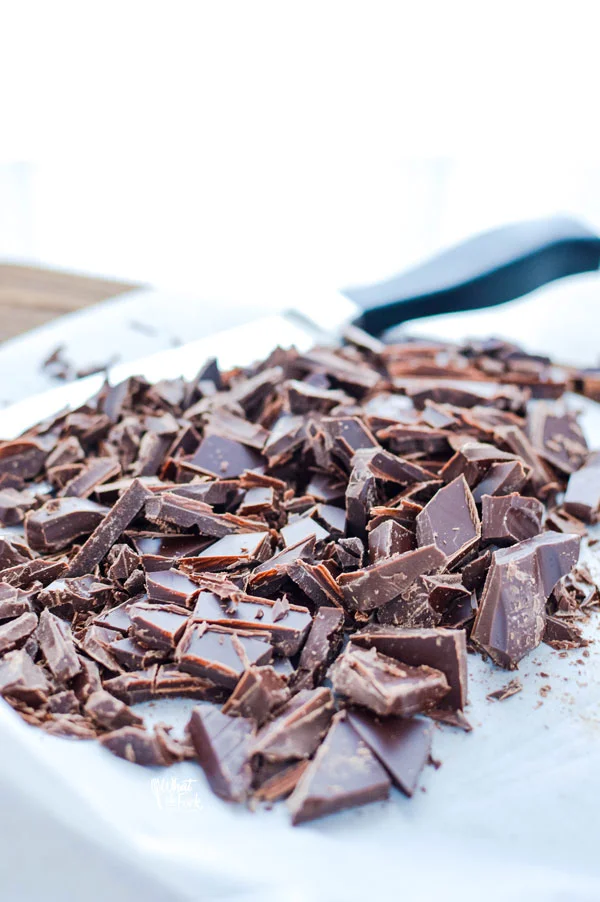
column 307, row 547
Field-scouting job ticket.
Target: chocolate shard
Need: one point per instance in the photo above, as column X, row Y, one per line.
column 170, row 682
column 384, row 685
column 219, row 654
column 20, row 678
column 374, row 586
column 511, row 688
column 323, row 643
column 87, row 680
column 582, row 497
column 501, row 479
column 473, row 461
column 171, row 587
column 23, row 457
column 387, row 539
column 260, row 691
column 13, row 602
column 390, row 468
column 65, row 702
column 401, row 745
column 450, row 521
column 187, row 513
column 137, row 745
column 511, row 618
column 157, row 626
column 222, row 745
column 247, row 612
column 270, row 575
column 14, row 504
column 234, row 550
column 109, row 712
column 362, row 494
column 110, row 529
column 15, row 633
column 298, row 729
column 556, row 435
column 507, row 519
column 82, row 593
column 133, row 688
column 343, row 774
column 302, row 529
column 281, row 783
column 443, row 649
column 60, row 521
column 57, row 646
column 559, row 633
column 123, row 561
column 317, row 583
column 132, row 655
column 97, row 471
column 223, row 458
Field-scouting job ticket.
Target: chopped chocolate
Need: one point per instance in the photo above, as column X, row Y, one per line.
column 110, row 713
column 13, row 602
column 100, row 470
column 559, row 633
column 443, row 649
column 384, row 685
column 316, row 582
column 450, row 521
column 60, row 521
column 362, row 495
column 22, row 457
column 501, row 479
column 287, row 629
column 223, row 458
column 387, row 539
column 473, row 460
column 556, row 435
column 505, row 692
column 401, row 745
column 137, row 745
column 323, row 643
column 20, row 678
column 343, row 774
column 507, row 519
column 123, row 561
column 157, row 626
column 170, row 682
column 132, row 655
column 15, row 632
column 133, row 688
column 14, row 504
column 220, row 654
column 281, row 784
column 259, row 692
column 233, row 550
column 82, row 593
column 386, row 580
column 65, row 702
column 511, row 617
column 298, row 728
column 171, row 587
column 301, row 529
column 110, row 529
column 57, row 646
column 222, row 746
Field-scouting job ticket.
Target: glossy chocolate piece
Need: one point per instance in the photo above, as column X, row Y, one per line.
column 219, row 654
column 287, row 631
column 109, row 712
column 384, row 685
column 82, row 593
column 97, row 471
column 157, row 625
column 222, row 745
column 57, row 646
column 322, row 645
column 582, row 497
column 60, row 521
column 450, row 521
column 298, row 729
column 14, row 504
column 511, row 617
column 240, row 548
column 20, row 678
column 501, row 479
column 443, row 649
column 109, row 529
column 401, row 745
column 137, row 746
column 343, row 774
column 15, row 633
column 362, row 495
column 556, row 435
column 507, row 519
column 473, row 461
column 387, row 539
column 374, row 586
column 171, row 587
column 223, row 458
column 13, row 602
column 132, row 655
column 316, row 582
column 259, row 692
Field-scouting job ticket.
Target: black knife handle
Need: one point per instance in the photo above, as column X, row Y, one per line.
column 488, row 269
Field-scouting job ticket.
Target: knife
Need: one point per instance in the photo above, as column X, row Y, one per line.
column 487, row 270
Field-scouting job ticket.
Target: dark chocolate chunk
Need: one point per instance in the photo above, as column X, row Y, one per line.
column 559, row 633
column 507, row 519
column 511, row 617
column 343, row 774
column 387, row 539
column 473, row 461
column 223, row 458
column 281, row 783
column 23, row 457
column 301, row 529
column 260, row 691
column 60, row 521
column 137, row 746
column 298, row 729
column 362, row 494
column 222, row 746
column 401, row 745
column 157, row 626
column 13, row 602
column 556, row 435
column 511, row 688
column 133, row 688
column 57, row 646
column 247, row 612
column 582, row 497
column 170, row 682
column 82, row 593
column 14, row 504
column 450, row 521
column 386, row 580
column 109, row 712
column 236, row 549
column 384, row 685
column 15, row 632
column 317, row 583
column 110, row 529
column 220, row 654
column 22, row 679
column 443, row 649
column 501, row 479
column 171, row 587
column 132, row 655
column 323, row 643
column 97, row 471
